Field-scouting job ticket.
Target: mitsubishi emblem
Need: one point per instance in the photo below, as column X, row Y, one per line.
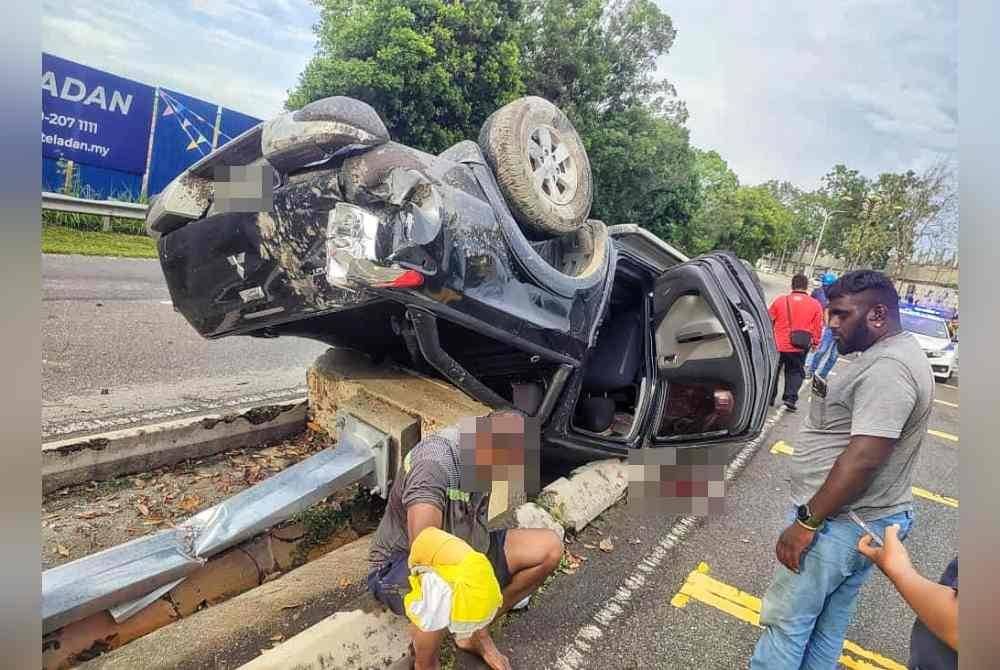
column 236, row 260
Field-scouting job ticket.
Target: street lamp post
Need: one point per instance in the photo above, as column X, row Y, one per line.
column 819, row 241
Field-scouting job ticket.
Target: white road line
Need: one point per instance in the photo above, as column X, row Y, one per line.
column 573, row 656
column 166, row 302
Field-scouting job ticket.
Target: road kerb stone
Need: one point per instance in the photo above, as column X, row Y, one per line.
column 345, row 640
column 530, row 515
column 590, row 489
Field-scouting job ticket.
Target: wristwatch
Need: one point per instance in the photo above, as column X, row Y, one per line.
column 806, row 518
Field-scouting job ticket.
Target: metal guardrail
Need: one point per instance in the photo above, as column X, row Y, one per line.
column 103, row 208
column 126, row 577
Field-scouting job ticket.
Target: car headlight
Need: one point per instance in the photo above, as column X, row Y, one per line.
column 934, row 354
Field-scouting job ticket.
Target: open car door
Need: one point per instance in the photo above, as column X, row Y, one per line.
column 715, row 354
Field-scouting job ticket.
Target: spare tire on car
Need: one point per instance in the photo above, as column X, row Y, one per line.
column 541, row 165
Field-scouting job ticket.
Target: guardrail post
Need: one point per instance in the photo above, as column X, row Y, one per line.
column 106, row 223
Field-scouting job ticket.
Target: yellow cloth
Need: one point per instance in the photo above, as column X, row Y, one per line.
column 475, row 594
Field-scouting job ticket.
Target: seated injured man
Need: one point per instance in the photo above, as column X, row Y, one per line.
column 434, row 560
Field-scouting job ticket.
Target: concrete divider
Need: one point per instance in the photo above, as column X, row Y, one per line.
column 237, row 630
column 131, row 450
column 345, row 640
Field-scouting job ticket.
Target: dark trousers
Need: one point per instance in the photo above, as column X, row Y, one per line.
column 793, row 364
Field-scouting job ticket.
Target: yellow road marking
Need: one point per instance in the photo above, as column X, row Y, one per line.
column 944, row 500
column 784, row 449
column 943, row 435
column 746, row 607
column 945, row 402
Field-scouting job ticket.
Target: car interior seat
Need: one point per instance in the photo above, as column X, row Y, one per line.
column 613, row 364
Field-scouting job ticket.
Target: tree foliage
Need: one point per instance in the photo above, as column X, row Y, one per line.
column 594, row 58
column 644, row 172
column 434, row 70
column 597, row 62
column 882, row 222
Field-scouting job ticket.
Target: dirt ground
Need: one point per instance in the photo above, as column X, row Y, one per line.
column 84, row 519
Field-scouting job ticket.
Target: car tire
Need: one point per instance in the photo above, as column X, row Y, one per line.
column 541, row 166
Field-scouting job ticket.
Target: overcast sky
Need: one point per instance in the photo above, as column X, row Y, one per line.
column 782, row 90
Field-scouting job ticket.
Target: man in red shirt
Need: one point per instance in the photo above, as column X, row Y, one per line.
column 795, row 311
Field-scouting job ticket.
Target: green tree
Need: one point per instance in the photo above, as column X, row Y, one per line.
column 597, row 62
column 718, row 208
column 920, row 211
column 844, row 193
column 763, row 224
column 644, row 172
column 593, row 58
column 434, row 70
column 807, row 209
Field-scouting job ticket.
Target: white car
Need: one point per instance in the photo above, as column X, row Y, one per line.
column 932, row 333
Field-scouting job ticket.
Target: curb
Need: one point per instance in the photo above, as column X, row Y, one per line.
column 359, row 633
column 237, row 630
column 371, row 638
column 131, row 450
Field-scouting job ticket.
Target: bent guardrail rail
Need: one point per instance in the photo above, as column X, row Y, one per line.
column 125, row 577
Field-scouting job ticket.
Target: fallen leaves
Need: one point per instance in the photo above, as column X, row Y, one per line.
column 79, row 520
column 572, row 562
column 606, row 545
column 190, row 503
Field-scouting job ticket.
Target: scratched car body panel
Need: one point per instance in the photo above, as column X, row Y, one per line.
column 611, row 337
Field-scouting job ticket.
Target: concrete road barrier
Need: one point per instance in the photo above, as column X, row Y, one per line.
column 590, row 489
column 98, row 457
column 345, row 640
column 235, row 631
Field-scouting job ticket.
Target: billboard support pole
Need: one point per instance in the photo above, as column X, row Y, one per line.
column 218, row 127
column 149, row 150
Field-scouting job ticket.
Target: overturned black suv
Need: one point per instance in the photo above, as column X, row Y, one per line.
column 478, row 265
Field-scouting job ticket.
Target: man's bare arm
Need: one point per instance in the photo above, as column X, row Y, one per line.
column 422, row 515
column 851, row 474
column 934, row 604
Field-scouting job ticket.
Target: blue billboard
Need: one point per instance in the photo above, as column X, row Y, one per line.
column 104, row 124
column 185, row 128
column 93, row 117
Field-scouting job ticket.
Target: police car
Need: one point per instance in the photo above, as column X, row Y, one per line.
column 931, row 331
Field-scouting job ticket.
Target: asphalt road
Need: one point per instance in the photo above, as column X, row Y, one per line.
column 115, row 354
column 616, row 611
column 577, row 623
column 108, row 325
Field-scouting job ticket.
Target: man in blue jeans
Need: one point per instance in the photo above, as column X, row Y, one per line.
column 855, row 452
column 826, row 350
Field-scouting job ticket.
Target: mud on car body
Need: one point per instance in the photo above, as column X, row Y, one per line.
column 478, row 265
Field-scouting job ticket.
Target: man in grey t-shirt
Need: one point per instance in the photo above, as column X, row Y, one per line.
column 445, row 482
column 855, row 452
